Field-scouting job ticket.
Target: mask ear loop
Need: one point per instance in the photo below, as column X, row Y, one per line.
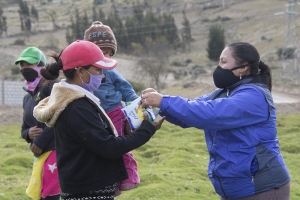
column 78, row 75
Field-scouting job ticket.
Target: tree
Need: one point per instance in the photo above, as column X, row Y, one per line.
column 34, row 13
column 97, row 2
column 102, row 16
column 170, row 30
column 153, row 63
column 83, row 23
column 186, row 33
column 216, row 42
column 94, row 14
column 115, row 23
column 3, row 24
column 77, row 33
column 152, row 29
column 52, row 15
column 24, row 16
column 138, row 27
column 75, row 30
column 69, row 36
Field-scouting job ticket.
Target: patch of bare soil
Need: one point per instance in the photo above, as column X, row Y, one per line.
column 288, row 108
column 11, row 115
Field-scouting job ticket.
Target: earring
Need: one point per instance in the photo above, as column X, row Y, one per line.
column 240, row 76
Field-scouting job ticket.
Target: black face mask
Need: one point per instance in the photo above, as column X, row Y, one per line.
column 29, row 74
column 224, row 78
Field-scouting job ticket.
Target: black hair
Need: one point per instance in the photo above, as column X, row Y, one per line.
column 51, row 71
column 41, row 64
column 244, row 52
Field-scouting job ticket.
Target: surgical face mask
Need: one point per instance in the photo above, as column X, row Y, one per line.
column 32, row 77
column 224, row 78
column 30, row 74
column 95, row 82
column 32, row 85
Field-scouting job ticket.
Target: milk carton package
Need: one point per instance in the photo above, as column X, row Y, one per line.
column 135, row 113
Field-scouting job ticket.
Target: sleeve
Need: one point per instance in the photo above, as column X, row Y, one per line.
column 42, row 140
column 89, row 131
column 44, row 137
column 123, row 86
column 174, row 119
column 24, row 132
column 246, row 106
column 25, row 128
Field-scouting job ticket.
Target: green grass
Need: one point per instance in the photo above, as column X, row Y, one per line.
column 173, row 165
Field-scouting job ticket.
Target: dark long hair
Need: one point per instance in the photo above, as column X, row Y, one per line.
column 51, row 71
column 244, row 52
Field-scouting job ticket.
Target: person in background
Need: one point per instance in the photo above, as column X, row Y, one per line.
column 44, row 180
column 114, row 89
column 89, row 153
column 239, row 121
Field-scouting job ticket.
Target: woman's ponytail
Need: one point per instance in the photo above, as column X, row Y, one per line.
column 51, row 71
column 265, row 73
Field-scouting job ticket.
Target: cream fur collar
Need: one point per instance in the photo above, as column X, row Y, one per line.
column 49, row 109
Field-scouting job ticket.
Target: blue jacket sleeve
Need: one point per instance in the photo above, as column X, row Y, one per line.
column 244, row 107
column 123, row 86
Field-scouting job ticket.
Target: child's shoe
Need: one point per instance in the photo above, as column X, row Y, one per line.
column 126, row 186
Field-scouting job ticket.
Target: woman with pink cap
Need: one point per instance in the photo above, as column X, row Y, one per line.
column 89, row 153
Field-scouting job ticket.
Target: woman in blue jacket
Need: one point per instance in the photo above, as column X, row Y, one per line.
column 239, row 121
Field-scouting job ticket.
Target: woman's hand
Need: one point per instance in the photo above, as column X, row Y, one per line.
column 148, row 90
column 151, row 99
column 34, row 132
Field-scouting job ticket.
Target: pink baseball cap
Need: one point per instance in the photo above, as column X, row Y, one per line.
column 83, row 53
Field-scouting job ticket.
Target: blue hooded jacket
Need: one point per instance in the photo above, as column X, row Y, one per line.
column 240, row 131
column 114, row 90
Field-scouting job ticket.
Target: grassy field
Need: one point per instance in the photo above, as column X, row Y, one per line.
column 173, row 165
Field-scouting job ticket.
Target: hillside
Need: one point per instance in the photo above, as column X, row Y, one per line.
column 251, row 21
column 244, row 20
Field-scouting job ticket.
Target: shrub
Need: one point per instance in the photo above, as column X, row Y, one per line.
column 177, row 64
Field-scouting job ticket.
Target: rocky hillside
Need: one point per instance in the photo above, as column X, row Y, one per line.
column 252, row 21
column 244, row 20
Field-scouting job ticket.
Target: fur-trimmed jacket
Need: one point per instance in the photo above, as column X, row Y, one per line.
column 89, row 155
